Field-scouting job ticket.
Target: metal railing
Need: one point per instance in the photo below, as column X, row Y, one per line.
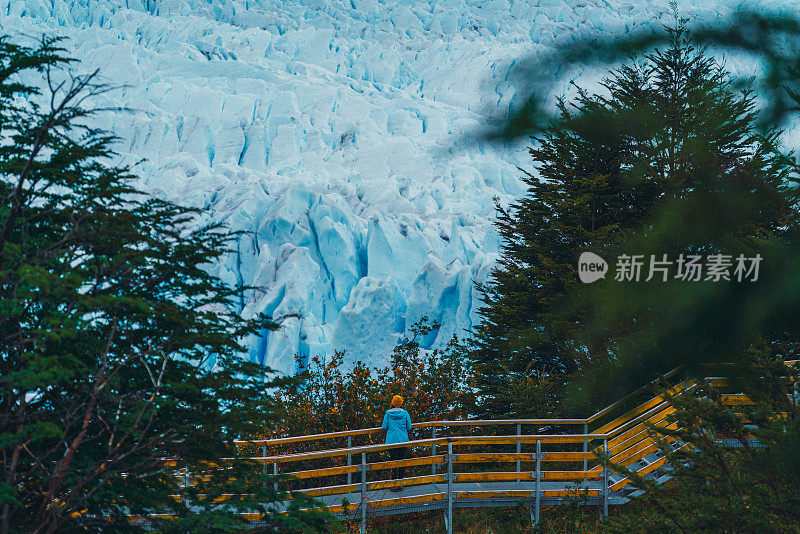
column 554, row 468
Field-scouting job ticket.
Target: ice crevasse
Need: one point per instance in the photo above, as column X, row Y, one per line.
column 335, row 133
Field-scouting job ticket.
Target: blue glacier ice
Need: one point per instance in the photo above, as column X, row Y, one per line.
column 332, row 132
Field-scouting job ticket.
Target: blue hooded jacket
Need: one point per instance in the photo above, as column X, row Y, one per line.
column 397, row 424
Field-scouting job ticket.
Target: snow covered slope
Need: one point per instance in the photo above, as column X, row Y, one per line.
column 331, row 131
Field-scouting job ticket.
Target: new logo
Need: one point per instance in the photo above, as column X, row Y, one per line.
column 591, row 267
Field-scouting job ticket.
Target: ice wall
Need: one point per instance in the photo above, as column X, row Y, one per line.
column 332, row 132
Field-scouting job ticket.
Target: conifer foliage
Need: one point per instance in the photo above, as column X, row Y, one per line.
column 109, row 407
column 723, row 187
column 606, row 165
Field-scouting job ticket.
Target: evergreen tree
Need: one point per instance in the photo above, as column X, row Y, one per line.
column 735, row 485
column 606, row 165
column 121, row 379
column 736, row 467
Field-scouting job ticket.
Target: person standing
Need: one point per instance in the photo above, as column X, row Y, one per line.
column 397, row 424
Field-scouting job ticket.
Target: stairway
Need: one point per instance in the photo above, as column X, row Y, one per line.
column 472, row 463
column 487, row 463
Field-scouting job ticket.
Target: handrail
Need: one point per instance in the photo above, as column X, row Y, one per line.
column 670, row 374
column 628, row 397
column 308, row 437
column 465, row 440
column 423, row 424
column 328, row 453
column 489, row 422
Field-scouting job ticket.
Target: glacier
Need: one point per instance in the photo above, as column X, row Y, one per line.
column 336, row 133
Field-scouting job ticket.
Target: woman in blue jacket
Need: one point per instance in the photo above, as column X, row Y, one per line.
column 397, row 424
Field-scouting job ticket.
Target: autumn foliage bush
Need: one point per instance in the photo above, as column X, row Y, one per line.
column 329, row 396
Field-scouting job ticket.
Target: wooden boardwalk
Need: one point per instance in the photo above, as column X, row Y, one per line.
column 477, row 463
column 485, row 463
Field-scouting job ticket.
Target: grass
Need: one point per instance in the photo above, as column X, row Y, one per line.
column 565, row 519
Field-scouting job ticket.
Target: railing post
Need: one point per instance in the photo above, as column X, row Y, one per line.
column 585, row 445
column 349, row 459
column 519, row 448
column 264, row 467
column 363, row 493
column 585, row 450
column 538, row 479
column 275, row 473
column 433, row 451
column 449, row 487
column 605, row 478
